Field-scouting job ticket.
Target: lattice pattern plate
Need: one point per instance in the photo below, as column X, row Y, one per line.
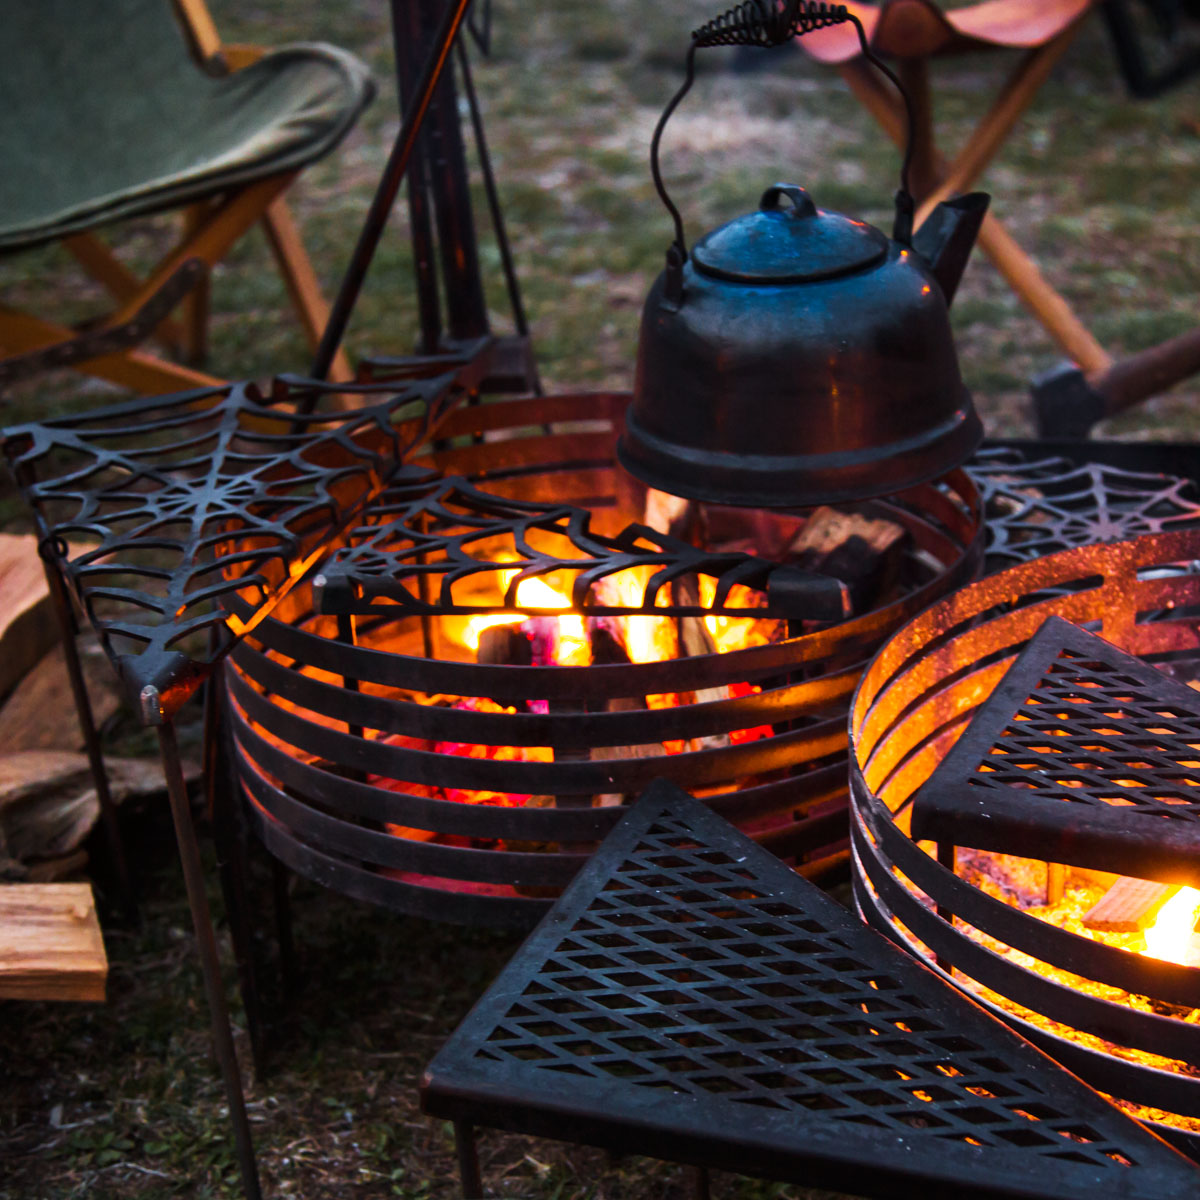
column 692, row 998
column 1083, row 755
column 159, row 507
column 1036, row 508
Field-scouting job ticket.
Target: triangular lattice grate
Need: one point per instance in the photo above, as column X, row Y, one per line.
column 1082, row 755
column 692, row 998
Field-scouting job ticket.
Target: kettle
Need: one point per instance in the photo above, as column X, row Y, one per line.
column 798, row 356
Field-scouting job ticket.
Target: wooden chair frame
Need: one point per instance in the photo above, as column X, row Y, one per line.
column 935, row 177
column 109, row 347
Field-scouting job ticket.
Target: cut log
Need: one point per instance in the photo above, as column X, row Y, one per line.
column 28, row 627
column 48, row 804
column 862, row 552
column 50, row 943
column 1128, row 906
column 40, row 713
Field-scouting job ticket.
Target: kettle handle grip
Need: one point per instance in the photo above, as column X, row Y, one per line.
column 764, row 23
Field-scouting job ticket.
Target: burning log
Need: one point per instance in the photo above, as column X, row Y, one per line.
column 862, row 552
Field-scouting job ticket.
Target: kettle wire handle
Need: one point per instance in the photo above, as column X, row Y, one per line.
column 769, row 23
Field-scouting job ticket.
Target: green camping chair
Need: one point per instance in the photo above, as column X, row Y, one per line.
column 131, row 107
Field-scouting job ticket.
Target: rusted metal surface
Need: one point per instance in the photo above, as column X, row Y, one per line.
column 1037, row 506
column 918, row 696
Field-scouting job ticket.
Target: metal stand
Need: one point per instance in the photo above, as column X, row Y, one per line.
column 429, row 153
column 468, row 1160
column 206, row 944
column 87, row 726
column 1143, row 79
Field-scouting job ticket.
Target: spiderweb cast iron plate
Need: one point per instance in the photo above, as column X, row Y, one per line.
column 691, row 998
column 160, row 507
column 1082, row 755
column 1036, row 508
column 439, row 532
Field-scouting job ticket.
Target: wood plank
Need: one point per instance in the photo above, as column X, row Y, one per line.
column 50, row 943
column 28, row 627
column 1129, row 905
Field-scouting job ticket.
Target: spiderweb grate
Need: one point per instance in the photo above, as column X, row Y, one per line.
column 158, row 508
column 689, row 974
column 1037, row 508
column 1083, row 755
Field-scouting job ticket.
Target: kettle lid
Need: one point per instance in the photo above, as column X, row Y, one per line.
column 797, row 243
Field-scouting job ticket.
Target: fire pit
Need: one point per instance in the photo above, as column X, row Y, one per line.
column 424, row 727
column 1014, row 931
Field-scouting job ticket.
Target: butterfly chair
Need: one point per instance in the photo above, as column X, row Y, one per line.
column 128, row 108
column 914, row 31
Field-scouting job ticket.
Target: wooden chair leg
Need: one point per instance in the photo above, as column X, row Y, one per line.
column 986, row 140
column 119, row 281
column 1019, row 270
column 301, row 281
column 134, row 369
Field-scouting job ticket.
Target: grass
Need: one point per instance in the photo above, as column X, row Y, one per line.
column 122, row 1100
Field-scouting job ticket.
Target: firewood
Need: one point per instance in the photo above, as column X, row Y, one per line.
column 669, row 514
column 865, row 553
column 50, row 943
column 28, row 627
column 1129, row 905
column 56, row 870
column 504, row 645
column 40, row 713
column 48, row 803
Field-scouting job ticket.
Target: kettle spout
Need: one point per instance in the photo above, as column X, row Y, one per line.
column 946, row 238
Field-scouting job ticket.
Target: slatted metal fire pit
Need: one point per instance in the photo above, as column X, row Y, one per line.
column 1005, row 927
column 381, row 757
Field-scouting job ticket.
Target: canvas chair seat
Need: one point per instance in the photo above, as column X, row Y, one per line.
column 107, row 124
column 127, row 108
column 920, row 29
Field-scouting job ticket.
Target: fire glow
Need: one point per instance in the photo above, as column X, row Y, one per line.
column 561, row 637
column 1170, row 937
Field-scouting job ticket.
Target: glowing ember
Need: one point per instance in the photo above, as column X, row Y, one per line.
column 1170, row 937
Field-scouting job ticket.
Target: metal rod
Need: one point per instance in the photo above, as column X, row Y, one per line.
column 229, row 839
column 91, row 738
column 406, row 41
column 283, row 927
column 947, row 856
column 466, row 308
column 493, row 199
column 206, row 943
column 468, row 1160
column 389, row 185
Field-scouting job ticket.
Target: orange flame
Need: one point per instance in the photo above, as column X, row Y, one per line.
column 1170, row 937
